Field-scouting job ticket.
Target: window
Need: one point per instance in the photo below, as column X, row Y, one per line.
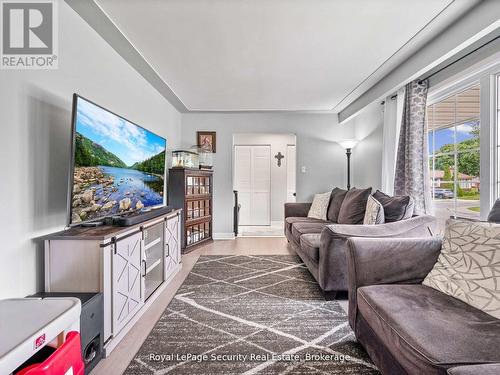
column 454, row 159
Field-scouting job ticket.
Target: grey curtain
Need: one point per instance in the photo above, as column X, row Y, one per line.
column 411, row 176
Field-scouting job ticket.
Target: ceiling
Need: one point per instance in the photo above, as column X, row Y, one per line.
column 268, row 55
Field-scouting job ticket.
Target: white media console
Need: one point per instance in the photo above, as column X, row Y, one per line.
column 129, row 265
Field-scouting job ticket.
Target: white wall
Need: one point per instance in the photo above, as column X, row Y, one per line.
column 35, row 108
column 325, row 160
column 278, row 143
column 367, row 155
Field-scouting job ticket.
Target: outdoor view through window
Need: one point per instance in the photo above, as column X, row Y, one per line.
column 453, row 131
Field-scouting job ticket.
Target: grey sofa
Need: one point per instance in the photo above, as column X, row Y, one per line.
column 322, row 244
column 409, row 328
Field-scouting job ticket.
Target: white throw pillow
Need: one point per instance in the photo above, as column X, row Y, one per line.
column 468, row 267
column 374, row 213
column 319, row 206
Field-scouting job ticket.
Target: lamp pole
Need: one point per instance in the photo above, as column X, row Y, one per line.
column 348, row 145
column 348, row 154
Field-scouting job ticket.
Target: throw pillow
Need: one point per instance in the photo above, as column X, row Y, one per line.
column 494, row 215
column 374, row 213
column 336, row 200
column 353, row 207
column 395, row 208
column 468, row 266
column 319, row 206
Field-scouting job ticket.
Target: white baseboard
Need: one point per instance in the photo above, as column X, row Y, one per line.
column 223, row 236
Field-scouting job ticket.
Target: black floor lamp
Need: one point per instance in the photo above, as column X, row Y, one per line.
column 348, row 144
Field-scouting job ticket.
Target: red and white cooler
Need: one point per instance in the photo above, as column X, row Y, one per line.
column 28, row 325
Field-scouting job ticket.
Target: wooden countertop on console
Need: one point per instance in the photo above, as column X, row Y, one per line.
column 101, row 233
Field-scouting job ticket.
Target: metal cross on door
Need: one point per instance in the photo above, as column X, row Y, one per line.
column 279, row 156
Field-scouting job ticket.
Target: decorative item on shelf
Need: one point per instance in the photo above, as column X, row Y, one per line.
column 206, row 158
column 348, row 144
column 206, row 140
column 185, row 159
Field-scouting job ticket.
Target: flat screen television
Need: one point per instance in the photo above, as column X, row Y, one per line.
column 116, row 167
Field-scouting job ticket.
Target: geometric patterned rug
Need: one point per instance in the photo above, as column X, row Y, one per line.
column 251, row 315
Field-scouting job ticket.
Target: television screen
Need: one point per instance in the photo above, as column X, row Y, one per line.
column 117, row 165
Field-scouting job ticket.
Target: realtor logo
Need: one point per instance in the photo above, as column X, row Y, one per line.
column 29, row 35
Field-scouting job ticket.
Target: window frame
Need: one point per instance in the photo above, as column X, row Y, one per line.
column 485, row 73
column 432, row 155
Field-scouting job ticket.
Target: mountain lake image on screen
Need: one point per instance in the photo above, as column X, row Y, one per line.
column 118, row 166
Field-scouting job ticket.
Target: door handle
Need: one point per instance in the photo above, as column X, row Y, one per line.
column 144, row 265
column 294, row 194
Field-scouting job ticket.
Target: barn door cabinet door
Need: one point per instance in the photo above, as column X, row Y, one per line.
column 127, row 280
column 172, row 245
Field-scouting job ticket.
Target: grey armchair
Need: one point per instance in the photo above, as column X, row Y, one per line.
column 409, row 328
column 373, row 261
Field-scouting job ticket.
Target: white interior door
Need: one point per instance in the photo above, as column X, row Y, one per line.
column 291, row 168
column 261, row 185
column 252, row 179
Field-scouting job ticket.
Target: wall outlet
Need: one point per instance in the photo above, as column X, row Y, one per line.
column 303, row 169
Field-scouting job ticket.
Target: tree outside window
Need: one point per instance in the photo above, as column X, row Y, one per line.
column 454, row 158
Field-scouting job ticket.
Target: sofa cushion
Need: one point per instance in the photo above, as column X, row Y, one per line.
column 426, row 329
column 298, row 229
column 352, row 210
column 336, row 199
column 289, row 221
column 309, row 244
column 319, row 206
column 374, row 213
column 395, row 208
column 468, row 267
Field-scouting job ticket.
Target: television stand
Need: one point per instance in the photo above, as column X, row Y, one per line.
column 118, row 262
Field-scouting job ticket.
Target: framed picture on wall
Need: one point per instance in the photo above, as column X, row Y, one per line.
column 206, row 140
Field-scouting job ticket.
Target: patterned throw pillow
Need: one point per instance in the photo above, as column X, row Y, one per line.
column 468, row 267
column 374, row 213
column 319, row 206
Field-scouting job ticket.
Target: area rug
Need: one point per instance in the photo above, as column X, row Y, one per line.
column 251, row 315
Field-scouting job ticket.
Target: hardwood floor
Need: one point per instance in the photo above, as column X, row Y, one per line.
column 247, row 246
column 118, row 360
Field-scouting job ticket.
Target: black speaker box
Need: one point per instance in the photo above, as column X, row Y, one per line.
column 91, row 325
